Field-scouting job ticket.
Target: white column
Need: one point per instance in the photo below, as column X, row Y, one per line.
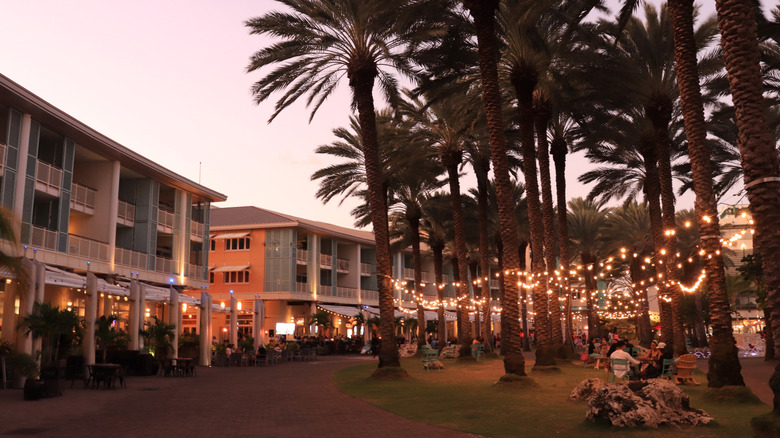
column 21, row 172
column 28, row 298
column 205, row 339
column 135, row 315
column 39, row 284
column 91, row 316
column 233, row 321
column 141, row 311
column 113, row 209
column 173, row 318
column 210, row 316
column 259, row 322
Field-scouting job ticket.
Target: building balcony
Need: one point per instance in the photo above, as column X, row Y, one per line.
column 133, row 259
column 365, row 269
column 342, row 266
column 3, row 148
column 494, row 283
column 165, row 221
column 197, row 272
column 301, row 256
column 125, row 214
column 83, row 199
column 408, row 274
column 326, row 261
column 197, row 230
column 163, row 265
column 326, row 290
column 301, row 288
column 43, row 238
column 89, row 249
column 48, row 179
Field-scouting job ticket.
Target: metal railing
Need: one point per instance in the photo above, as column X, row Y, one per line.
column 301, row 288
column 83, row 198
column 48, row 176
column 165, row 218
column 369, row 294
column 365, row 269
column 408, row 274
column 326, row 290
column 342, row 265
column 346, row 292
column 301, row 256
column 42, row 238
column 133, row 259
column 197, row 228
column 494, row 283
column 163, row 264
column 125, row 213
column 326, row 261
column 88, row 248
column 427, row 277
column 197, row 272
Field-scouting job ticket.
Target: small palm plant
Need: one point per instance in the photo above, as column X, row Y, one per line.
column 157, row 338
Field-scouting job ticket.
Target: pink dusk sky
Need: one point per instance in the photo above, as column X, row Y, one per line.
column 167, row 80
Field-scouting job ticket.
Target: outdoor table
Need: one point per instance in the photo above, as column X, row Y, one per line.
column 102, row 372
column 600, row 360
column 184, row 366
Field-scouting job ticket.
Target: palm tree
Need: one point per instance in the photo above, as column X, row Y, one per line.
column 323, row 42
column 483, row 13
column 436, row 223
column 760, row 161
column 53, row 326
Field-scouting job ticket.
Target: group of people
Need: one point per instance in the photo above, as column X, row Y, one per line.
column 653, row 359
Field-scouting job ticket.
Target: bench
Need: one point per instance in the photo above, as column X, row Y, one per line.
column 685, row 367
column 478, row 351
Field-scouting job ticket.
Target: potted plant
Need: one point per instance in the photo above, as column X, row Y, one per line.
column 189, row 345
column 220, row 353
column 56, row 328
column 157, row 339
column 25, row 371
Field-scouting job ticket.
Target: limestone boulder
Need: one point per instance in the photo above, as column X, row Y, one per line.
column 648, row 404
column 587, row 388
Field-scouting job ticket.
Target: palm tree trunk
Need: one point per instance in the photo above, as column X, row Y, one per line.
column 724, row 366
column 522, row 247
column 438, row 265
column 414, row 229
column 487, row 47
column 589, row 259
column 559, row 148
column 652, row 192
column 451, row 162
column 362, row 86
column 484, row 252
column 541, row 114
column 643, row 316
column 473, row 271
column 659, row 111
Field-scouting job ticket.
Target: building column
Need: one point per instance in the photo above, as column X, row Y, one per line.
column 233, row 329
column 88, row 344
column 134, row 325
column 10, row 318
column 141, row 312
column 26, row 305
column 40, row 286
column 205, row 339
column 113, row 210
column 259, row 322
column 21, row 172
column 173, row 318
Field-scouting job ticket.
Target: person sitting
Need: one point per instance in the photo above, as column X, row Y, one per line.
column 653, row 354
column 655, row 368
column 619, row 353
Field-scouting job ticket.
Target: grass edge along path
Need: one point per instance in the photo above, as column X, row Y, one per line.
column 465, row 397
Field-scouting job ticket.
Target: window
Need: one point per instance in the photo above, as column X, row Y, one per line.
column 211, row 277
column 237, row 277
column 213, row 245
column 239, row 244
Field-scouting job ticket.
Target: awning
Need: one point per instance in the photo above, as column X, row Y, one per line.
column 104, row 286
column 58, row 277
column 230, row 235
column 7, row 273
column 231, row 268
column 349, row 312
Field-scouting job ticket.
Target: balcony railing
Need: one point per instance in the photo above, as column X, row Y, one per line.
column 197, row 272
column 83, row 199
column 346, row 292
column 125, row 213
column 301, row 256
column 197, row 229
column 301, row 288
column 326, row 290
column 408, row 274
column 165, row 220
column 133, row 259
column 326, row 261
column 163, row 264
column 48, row 178
column 427, row 277
column 365, row 269
column 342, row 265
column 369, row 295
column 43, row 238
column 3, row 147
column 87, row 248
column 494, row 283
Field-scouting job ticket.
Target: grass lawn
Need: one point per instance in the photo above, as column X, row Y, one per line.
column 464, row 396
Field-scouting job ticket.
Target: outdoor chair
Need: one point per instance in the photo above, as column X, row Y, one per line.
column 685, row 367
column 75, row 369
column 666, row 369
column 619, row 366
column 429, row 357
column 235, row 359
column 478, row 351
column 449, row 352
